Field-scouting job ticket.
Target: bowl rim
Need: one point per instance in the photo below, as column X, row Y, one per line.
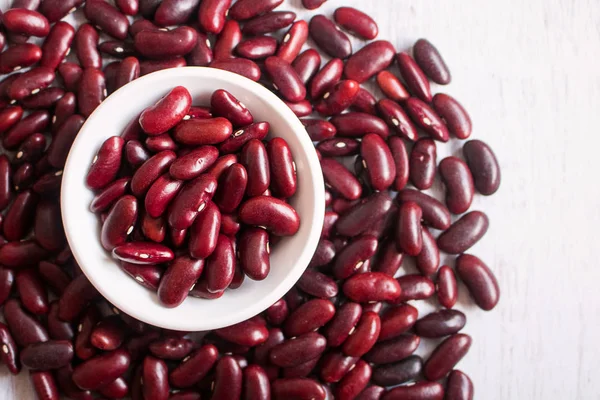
column 68, row 193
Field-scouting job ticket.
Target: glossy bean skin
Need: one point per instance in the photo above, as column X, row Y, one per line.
column 427, row 119
column 155, row 378
column 344, row 321
column 167, row 112
column 309, row 317
column 240, row 137
column 108, row 18
column 454, row 114
column 37, row 121
column 397, row 320
column 201, row 54
column 220, row 266
column 253, row 253
column 145, row 253
column 281, row 163
column 195, row 132
column 61, row 144
column 19, row 56
column 55, row 10
column 356, row 124
column 431, row 62
column 232, row 188
column 317, row 284
column 26, row 22
column 257, row 48
column 45, row 98
column 447, row 290
column 192, row 198
column 480, row 281
column 204, row 232
column 224, row 104
column 129, row 70
column 459, row 386
column 401, row 162
column 100, row 370
column 338, row 147
column 246, row 9
column 326, row 78
column 415, row 287
column 307, row 64
column 92, row 90
column 364, row 336
column 30, row 82
column 44, row 385
column 297, row 389
column 119, row 223
column 175, row 12
column 340, row 179
column 57, row 45
column 106, row 165
column 23, row 177
column 160, row 194
column 339, row 98
column 446, row 355
column 406, row 370
column 391, row 86
column 227, row 41
column 441, row 323
column 464, row 233
column 228, row 379
column 9, row 355
column 275, row 215
column 149, row 172
column 409, row 238
column 24, row 328
column 370, row 60
column 70, row 73
column 483, row 165
column 378, row 161
column 194, row 163
column 171, row 348
column 393, row 350
column 389, row 259
column 420, row 391
column 331, row 40
column 435, row 214
column 285, row 79
column 356, row 22
column 20, row 216
column 64, row 108
column 269, row 22
column 7, row 278
column 370, row 287
column 335, row 365
column 149, row 66
column 9, row 116
column 423, row 163
column 296, row 351
column 428, row 259
column 52, row 354
column 277, row 313
column 21, row 254
column 165, row 44
column 245, row 333
column 240, row 66
column 414, row 77
column 459, row 184
column 194, row 368
column 135, row 153
column 312, row 4
column 256, row 161
column 148, row 276
column 75, row 298
column 354, row 255
column 32, row 292
column 107, row 197
column 354, row 382
column 256, row 383
column 293, row 41
column 85, row 44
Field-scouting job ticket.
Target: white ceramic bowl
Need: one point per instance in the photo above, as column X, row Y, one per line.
column 289, row 258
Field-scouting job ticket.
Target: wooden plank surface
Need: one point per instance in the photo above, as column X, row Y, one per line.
column 529, row 74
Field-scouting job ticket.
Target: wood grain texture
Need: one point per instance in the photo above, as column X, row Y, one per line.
column 528, row 72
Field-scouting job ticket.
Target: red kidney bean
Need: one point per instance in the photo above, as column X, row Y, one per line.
column 354, row 381
column 312, row 4
column 370, row 287
column 155, row 379
column 459, row 184
column 397, row 320
column 431, row 62
column 117, row 48
column 5, row 182
column 55, row 10
column 117, row 389
column 32, row 291
column 100, row 370
column 329, row 221
column 283, row 172
column 203, row 131
column 56, row 279
column 8, row 356
column 171, row 348
column 246, row 9
column 464, row 233
column 227, row 41
column 174, row 12
column 414, row 77
column 318, row 129
column 435, row 213
column 160, row 194
column 25, row 329
column 401, row 162
column 338, row 147
column 190, row 200
column 150, row 172
column 299, row 350
column 357, row 124
column 205, row 231
column 256, row 383
column 453, row 113
column 26, row 22
column 246, row 333
column 83, row 347
column 129, row 70
column 109, row 334
column 75, row 298
column 52, row 354
column 46, row 98
column 389, row 259
column 415, row 287
column 148, row 276
column 317, row 284
column 307, row 64
column 119, row 223
column 178, row 280
column 195, row 367
column 409, row 238
column 343, row 323
column 397, row 119
column 372, row 392
column 441, row 323
column 354, row 255
column 329, row 38
column 253, row 253
column 220, row 265
column 138, row 346
column 364, row 336
column 135, row 153
column 459, row 386
column 338, row 178
column 107, row 18
column 21, row 254
column 225, row 105
column 57, row 329
column 269, row 22
column 167, row 112
column 57, row 45
column 308, row 317
column 30, row 82
column 365, row 102
column 257, row 48
column 335, row 366
column 447, row 289
column 378, row 161
column 446, row 356
column 44, row 385
column 194, row 163
column 86, row 43
column 6, row 283
column 165, row 44
column 37, row 121
column 356, row 22
column 427, row 119
column 240, row 66
column 483, row 165
column 212, row 14
column 128, row 7
column 92, row 90
column 480, row 281
column 275, row 215
column 341, row 96
column 293, row 41
column 406, row 370
column 61, row 144
column 23, row 177
column 297, row 389
column 109, row 195
column 326, row 78
column 391, row 86
column 106, row 164
column 48, row 184
column 149, row 66
column 71, row 75
column 277, row 312
column 19, row 56
column 285, row 79
column 10, row 116
column 185, row 395
column 423, row 163
column 420, row 390
column 368, row 61
column 20, row 216
column 393, row 350
column 143, row 253
column 256, row 161
column 428, row 259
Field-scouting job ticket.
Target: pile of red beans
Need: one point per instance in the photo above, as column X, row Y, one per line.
column 349, row 329
column 177, row 189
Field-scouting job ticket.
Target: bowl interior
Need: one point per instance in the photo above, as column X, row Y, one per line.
column 289, row 257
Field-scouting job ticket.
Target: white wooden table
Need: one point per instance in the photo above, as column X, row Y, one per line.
column 529, row 74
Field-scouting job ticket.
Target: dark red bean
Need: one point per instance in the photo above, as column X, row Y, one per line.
column 25, row 22
column 357, row 124
column 447, row 289
column 204, row 232
column 19, row 56
column 109, row 334
column 397, row 119
column 338, row 178
column 370, row 287
column 240, row 66
column 459, row 386
column 483, row 165
column 57, row 329
column 338, row 147
column 107, row 18
column 135, row 153
column 414, row 77
column 253, row 253
column 329, row 38
column 420, row 391
column 143, row 253
column 55, row 10
column 423, row 163
column 37, row 121
column 224, row 104
column 117, row 389
column 277, row 313
column 297, row 389
column 431, row 62
column 203, row 131
column 309, row 317
column 171, row 348
column 57, row 45
column 101, row 370
column 401, row 162
column 318, row 284
column 269, row 22
column 185, row 395
column 155, row 379
column 30, row 82
column 10, row 116
column 64, row 108
column 354, row 255
column 424, row 116
column 190, row 200
column 441, row 323
column 178, row 280
column 117, row 48
column 356, row 22
column 318, row 129
column 391, row 86
column 48, row 184
column 326, row 78
column 464, row 233
column 428, row 259
column 23, row 177
column 389, row 259
column 32, row 292
column 370, row 60
column 52, row 354
column 312, row 4
column 246, row 333
column 148, row 276
column 44, row 385
column 397, row 320
column 5, row 182
column 393, row 350
column 406, row 370
column 129, row 70
column 92, row 90
column 335, row 365
column 365, row 102
column 283, row 172
column 256, row 383
column 75, row 298
column 378, row 162
column 307, row 64
column 20, row 216
column 109, row 195
column 227, row 41
column 435, row 213
column 256, row 161
column 149, row 66
column 212, row 14
column 296, row 351
column 9, row 356
column 293, row 41
column 408, row 229
column 86, row 43
column 285, row 79
column 453, row 113
column 246, row 9
column 228, row 379
column 364, row 336
column 119, row 223
column 46, row 98
column 167, row 112
column 275, row 215
column 160, row 194
column 149, row 172
column 354, row 381
column 479, row 279
column 61, row 144
column 106, row 164
column 17, row 255
column 194, row 163
column 195, row 367
column 83, row 347
column 220, row 265
column 165, row 44
column 25, row 329
column 415, row 287
column 232, row 188
column 446, row 356
column 339, row 98
column 174, row 12
column 128, row 7
column 56, row 279
column 344, row 321
column 257, row 48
